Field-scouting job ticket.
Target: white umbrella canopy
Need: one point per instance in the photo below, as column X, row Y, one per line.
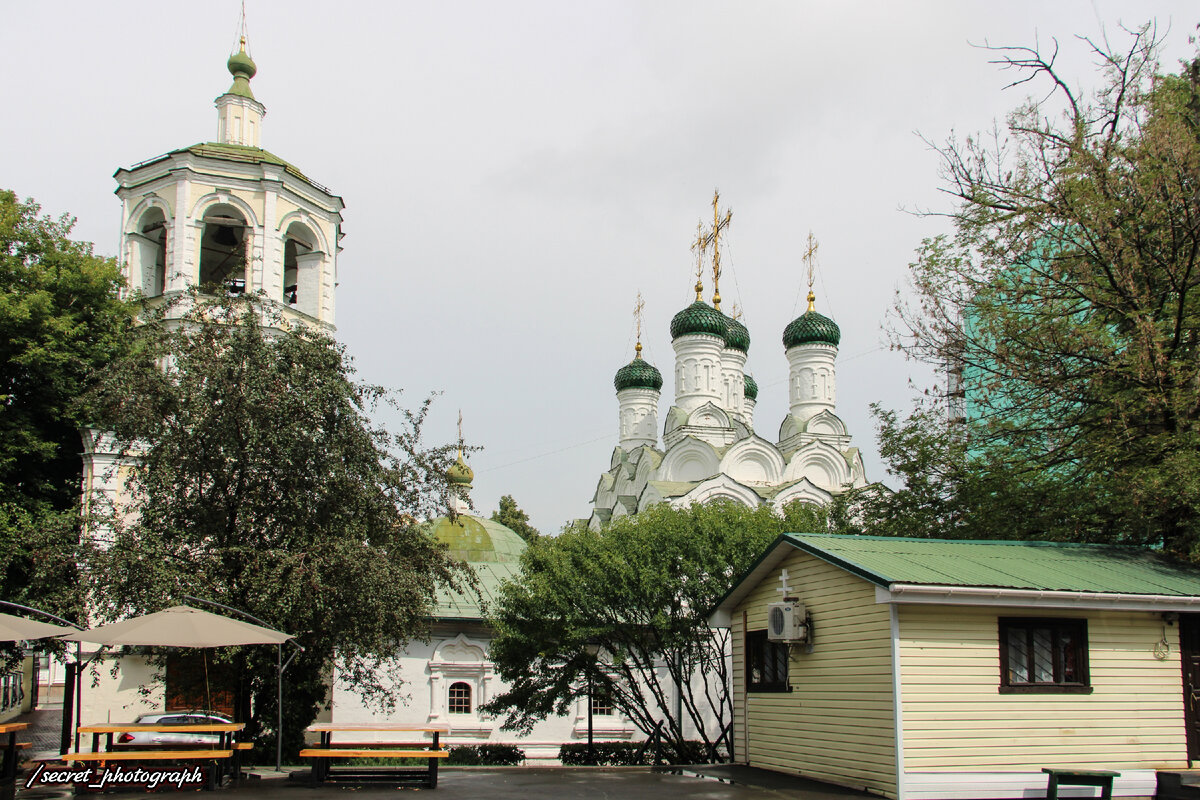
column 180, row 626
column 19, row 629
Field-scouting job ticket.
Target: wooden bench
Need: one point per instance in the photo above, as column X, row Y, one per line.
column 215, row 756
column 321, row 772
column 1079, row 777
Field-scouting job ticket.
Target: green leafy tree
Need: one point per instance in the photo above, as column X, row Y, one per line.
column 61, row 322
column 1067, row 306
column 640, row 589
column 256, row 479
column 512, row 517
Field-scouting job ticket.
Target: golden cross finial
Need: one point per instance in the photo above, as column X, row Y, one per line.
column 699, row 246
column 637, row 315
column 810, row 263
column 242, row 28
column 735, row 312
column 460, row 436
column 714, row 238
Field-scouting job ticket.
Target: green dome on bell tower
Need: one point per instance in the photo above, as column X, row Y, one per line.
column 242, row 67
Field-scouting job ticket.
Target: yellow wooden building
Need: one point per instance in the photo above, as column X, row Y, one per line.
column 921, row 668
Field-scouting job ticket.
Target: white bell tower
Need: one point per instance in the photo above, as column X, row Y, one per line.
column 229, row 216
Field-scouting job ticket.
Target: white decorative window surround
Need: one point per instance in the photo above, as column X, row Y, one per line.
column 604, row 726
column 461, row 660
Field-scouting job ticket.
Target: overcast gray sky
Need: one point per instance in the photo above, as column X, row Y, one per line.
column 515, row 172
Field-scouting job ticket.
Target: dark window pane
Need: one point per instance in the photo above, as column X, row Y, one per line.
column 1041, row 654
column 1018, row 656
column 766, row 664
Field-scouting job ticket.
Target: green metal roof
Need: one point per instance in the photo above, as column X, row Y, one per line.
column 465, row 605
column 242, row 153
column 1046, row 566
column 492, row 550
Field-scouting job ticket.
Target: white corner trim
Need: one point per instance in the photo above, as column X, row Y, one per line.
column 991, row 596
column 897, row 707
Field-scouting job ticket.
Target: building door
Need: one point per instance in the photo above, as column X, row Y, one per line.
column 1189, row 644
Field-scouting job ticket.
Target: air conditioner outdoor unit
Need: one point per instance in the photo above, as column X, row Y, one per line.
column 787, row 622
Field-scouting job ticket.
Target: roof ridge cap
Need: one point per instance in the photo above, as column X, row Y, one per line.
column 1013, row 542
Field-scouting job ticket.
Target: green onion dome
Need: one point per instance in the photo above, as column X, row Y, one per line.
column 737, row 336
column 242, row 67
column 638, row 374
column 240, row 63
column 811, row 328
column 699, row 318
column 751, row 388
column 459, row 473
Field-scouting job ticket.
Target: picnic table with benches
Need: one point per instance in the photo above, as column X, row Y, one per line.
column 327, row 750
column 222, row 757
column 8, row 767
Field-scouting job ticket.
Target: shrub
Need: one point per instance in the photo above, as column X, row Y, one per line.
column 625, row 754
column 485, row 755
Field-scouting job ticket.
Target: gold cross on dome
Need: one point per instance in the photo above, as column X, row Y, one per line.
column 714, row 238
column 637, row 315
column 810, row 262
column 699, row 247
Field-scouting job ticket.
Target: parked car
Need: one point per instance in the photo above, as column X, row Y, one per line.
column 144, row 738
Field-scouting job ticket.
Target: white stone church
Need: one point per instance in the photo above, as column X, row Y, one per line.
column 709, row 447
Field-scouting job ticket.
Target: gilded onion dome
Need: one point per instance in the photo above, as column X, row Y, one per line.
column 699, row 318
column 638, row 374
column 737, row 336
column 811, row 328
column 751, row 391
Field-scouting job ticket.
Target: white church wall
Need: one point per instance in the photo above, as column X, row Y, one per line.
column 427, row 672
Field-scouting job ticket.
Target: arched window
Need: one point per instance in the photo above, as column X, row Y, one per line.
column 459, row 698
column 149, row 255
column 223, row 253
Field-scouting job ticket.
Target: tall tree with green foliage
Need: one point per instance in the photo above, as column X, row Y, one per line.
column 640, row 590
column 257, row 479
column 512, row 517
column 1068, row 300
column 61, row 323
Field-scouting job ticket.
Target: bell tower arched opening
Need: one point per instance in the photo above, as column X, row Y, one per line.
column 148, row 256
column 302, row 264
column 224, row 250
